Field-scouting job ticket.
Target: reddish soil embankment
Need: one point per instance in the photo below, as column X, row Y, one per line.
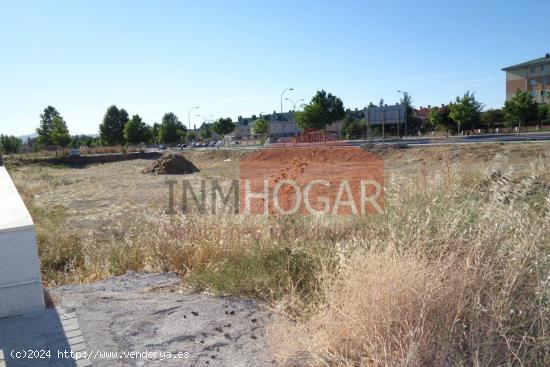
column 308, row 180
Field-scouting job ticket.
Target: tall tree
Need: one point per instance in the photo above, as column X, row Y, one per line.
column 170, row 128
column 439, row 117
column 46, row 125
column 191, row 136
column 465, row 111
column 223, row 126
column 261, row 127
column 412, row 122
column 206, row 133
column 60, row 133
column 154, row 133
column 136, row 131
column 324, row 109
column 354, row 128
column 521, row 109
column 112, row 128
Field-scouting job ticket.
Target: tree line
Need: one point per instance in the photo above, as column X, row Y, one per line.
column 116, row 128
column 466, row 114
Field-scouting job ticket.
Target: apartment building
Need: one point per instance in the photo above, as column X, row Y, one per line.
column 532, row 76
column 280, row 124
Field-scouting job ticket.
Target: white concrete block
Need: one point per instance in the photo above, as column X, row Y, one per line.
column 20, row 280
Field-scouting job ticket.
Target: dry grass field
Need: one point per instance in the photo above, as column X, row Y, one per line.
column 456, row 272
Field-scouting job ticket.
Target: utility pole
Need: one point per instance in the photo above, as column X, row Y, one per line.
column 283, row 130
column 189, row 116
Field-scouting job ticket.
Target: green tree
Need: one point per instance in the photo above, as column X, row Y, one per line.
column 112, row 128
column 323, row 110
column 353, row 128
column 170, row 129
column 521, row 109
column 412, row 121
column 81, row 141
column 466, row 111
column 311, row 117
column 544, row 113
column 206, row 133
column 60, row 133
column 136, row 131
column 261, row 127
column 182, row 136
column 191, row 136
column 46, row 125
column 439, row 117
column 154, row 133
column 492, row 118
column 10, row 144
column 223, row 126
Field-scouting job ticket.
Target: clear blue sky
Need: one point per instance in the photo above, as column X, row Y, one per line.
column 234, row 58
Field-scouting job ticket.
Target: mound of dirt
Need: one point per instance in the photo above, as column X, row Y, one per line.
column 171, row 164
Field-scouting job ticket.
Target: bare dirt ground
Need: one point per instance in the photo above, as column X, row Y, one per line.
column 95, row 196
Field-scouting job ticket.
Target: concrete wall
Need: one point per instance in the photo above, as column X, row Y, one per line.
column 20, row 280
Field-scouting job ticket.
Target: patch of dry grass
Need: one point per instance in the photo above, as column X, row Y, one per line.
column 456, row 272
column 450, row 275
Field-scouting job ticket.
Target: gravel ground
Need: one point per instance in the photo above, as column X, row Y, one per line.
column 152, row 312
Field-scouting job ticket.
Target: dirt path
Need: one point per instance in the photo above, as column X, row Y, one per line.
column 151, row 312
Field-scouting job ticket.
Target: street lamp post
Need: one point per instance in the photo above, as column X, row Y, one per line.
column 282, row 94
column 205, row 118
column 404, row 93
column 189, row 115
column 294, row 103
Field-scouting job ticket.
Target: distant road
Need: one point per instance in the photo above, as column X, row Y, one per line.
column 415, row 141
column 466, row 139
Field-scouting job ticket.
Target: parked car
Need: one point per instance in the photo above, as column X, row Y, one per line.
column 162, row 147
column 212, row 144
column 74, row 153
column 236, row 142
